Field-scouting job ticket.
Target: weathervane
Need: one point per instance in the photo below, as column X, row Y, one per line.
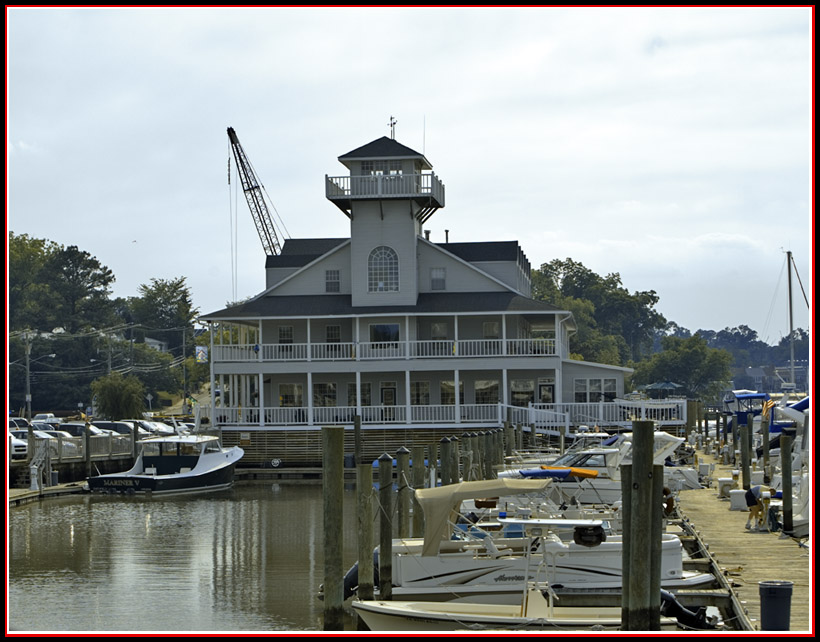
column 392, row 124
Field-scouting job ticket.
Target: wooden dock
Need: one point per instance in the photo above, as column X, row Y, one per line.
column 748, row 557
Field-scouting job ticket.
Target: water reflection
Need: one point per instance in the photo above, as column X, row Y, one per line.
column 249, row 559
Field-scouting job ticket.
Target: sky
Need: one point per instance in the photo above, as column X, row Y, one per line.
column 673, row 146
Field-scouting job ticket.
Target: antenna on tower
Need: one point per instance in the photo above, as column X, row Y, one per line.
column 392, row 124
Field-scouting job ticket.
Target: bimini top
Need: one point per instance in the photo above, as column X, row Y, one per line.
column 441, row 504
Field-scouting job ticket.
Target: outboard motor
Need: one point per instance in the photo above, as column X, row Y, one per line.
column 589, row 536
column 670, row 607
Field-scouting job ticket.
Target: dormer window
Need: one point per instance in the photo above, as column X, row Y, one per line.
column 383, row 270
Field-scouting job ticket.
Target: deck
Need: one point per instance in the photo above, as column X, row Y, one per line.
column 747, row 557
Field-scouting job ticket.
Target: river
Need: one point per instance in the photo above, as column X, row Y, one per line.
column 245, row 560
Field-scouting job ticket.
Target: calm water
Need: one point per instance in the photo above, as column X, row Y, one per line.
column 248, row 559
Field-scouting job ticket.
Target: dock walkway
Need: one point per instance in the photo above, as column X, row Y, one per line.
column 749, row 557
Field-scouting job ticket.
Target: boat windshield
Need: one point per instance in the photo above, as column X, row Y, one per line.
column 167, row 449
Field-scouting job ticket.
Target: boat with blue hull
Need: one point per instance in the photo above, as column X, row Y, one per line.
column 174, row 464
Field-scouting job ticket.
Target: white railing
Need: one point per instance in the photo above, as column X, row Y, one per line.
column 551, row 418
column 387, row 185
column 385, row 350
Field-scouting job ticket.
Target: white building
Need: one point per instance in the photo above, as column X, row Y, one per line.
column 388, row 325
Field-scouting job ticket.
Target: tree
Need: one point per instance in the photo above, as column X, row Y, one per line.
column 687, row 361
column 119, row 397
column 611, row 320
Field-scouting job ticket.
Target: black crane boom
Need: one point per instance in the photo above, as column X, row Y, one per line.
column 256, row 202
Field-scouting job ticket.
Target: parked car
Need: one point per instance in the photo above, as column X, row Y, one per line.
column 18, row 422
column 70, row 445
column 47, row 417
column 18, row 445
column 124, row 427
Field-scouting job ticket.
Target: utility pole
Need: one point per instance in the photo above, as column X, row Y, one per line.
column 28, row 375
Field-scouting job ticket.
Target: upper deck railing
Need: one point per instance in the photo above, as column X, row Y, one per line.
column 415, row 186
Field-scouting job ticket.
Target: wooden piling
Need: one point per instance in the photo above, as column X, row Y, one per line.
column 640, row 615
column 419, row 478
column 446, row 461
column 364, row 503
column 745, row 455
column 764, row 431
column 786, row 440
column 386, row 527
column 333, row 515
column 403, row 492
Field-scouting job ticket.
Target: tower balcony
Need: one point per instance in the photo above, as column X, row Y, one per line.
column 425, row 189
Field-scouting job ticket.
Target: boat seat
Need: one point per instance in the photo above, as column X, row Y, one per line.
column 150, row 471
column 185, row 469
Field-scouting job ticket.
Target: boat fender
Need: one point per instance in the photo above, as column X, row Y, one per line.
column 589, row 536
column 351, row 578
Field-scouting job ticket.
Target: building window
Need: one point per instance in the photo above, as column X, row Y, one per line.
column 290, row 395
column 438, row 278
column 491, row 330
column 333, row 334
column 381, row 167
column 286, row 334
column 448, row 393
column 384, row 333
column 595, row 390
column 383, row 270
column 522, row 392
column 438, row 331
column 332, row 281
column 420, row 393
column 324, row 395
column 351, row 394
column 486, row 391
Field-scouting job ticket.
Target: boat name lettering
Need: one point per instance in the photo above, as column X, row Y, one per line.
column 509, row 578
column 118, row 482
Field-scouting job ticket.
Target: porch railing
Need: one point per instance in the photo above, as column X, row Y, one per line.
column 350, row 351
column 550, row 418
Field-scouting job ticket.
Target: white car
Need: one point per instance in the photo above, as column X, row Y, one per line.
column 70, row 445
column 18, row 445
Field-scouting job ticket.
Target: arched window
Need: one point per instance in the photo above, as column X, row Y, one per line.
column 383, row 270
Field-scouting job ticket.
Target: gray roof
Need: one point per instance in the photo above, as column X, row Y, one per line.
column 341, row 305
column 300, row 252
column 484, row 251
column 383, row 147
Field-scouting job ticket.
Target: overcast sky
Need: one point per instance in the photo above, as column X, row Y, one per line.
column 672, row 146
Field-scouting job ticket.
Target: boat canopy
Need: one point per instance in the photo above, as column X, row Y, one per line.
column 441, row 504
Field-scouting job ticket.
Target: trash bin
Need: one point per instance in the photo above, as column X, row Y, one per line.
column 350, row 460
column 775, row 605
column 54, row 478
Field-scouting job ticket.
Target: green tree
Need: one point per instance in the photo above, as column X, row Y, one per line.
column 119, row 397
column 689, row 362
column 614, row 325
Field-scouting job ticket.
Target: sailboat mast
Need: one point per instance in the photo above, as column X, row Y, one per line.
column 791, row 320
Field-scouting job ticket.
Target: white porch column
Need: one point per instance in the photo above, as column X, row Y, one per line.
column 408, row 416
column 261, row 392
column 356, row 347
column 505, row 395
column 259, row 342
column 455, row 335
column 212, row 375
column 358, row 393
column 458, row 396
column 309, row 348
column 504, row 334
column 407, row 336
column 309, row 393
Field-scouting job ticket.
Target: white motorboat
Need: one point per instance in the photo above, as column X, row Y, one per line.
column 179, row 463
column 534, row 612
column 592, row 475
column 491, row 560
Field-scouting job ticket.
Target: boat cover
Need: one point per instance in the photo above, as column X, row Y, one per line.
column 441, row 504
